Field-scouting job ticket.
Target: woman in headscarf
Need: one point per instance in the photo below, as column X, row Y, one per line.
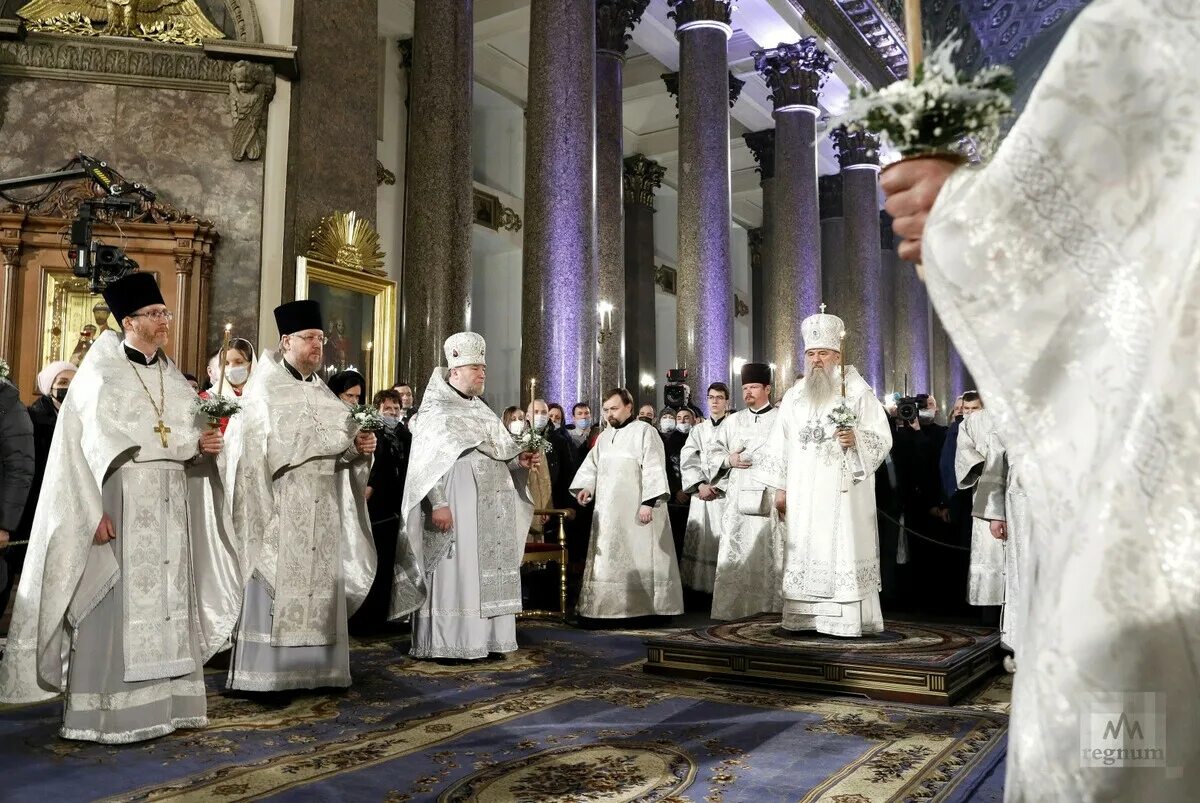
column 239, row 364
column 349, row 386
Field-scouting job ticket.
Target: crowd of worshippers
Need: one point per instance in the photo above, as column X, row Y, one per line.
column 160, row 535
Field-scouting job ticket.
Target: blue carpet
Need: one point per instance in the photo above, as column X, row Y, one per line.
column 569, row 717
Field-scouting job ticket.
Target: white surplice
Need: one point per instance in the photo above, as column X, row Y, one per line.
column 1067, row 272
column 831, row 573
column 750, row 559
column 631, row 568
column 702, row 538
column 985, row 576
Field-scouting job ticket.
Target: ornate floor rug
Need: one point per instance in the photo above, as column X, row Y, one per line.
column 570, row 717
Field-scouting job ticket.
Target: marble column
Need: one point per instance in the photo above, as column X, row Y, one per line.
column 614, row 20
column 642, row 177
column 559, row 324
column 940, row 384
column 331, row 147
column 704, row 329
column 436, row 285
column 762, row 146
column 858, row 156
column 910, row 319
column 794, row 73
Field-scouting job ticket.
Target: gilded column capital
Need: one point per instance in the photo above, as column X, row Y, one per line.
column 700, row 13
column 642, row 177
column 671, row 80
column 794, row 73
column 615, row 20
column 859, row 148
column 762, row 145
column 829, row 195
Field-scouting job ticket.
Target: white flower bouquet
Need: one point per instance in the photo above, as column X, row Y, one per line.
column 842, row 417
column 939, row 111
column 5, row 370
column 216, row 407
column 367, row 418
column 531, row 441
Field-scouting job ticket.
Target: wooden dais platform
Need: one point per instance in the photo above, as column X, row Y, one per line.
column 912, row 662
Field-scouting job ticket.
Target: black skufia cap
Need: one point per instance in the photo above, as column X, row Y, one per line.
column 756, row 373
column 296, row 316
column 130, row 293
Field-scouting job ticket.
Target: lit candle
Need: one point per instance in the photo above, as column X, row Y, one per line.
column 367, row 366
column 532, row 386
column 224, row 355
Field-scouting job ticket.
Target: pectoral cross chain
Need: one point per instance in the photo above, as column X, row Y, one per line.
column 163, row 431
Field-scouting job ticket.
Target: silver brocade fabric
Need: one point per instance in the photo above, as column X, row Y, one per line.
column 107, row 419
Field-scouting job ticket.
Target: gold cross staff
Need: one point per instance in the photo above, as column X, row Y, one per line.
column 163, row 431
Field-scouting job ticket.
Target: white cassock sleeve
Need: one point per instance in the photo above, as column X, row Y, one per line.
column 654, row 468
column 872, row 433
column 771, row 463
column 691, row 462
column 585, row 477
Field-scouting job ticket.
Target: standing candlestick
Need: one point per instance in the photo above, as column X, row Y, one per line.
column 224, row 356
column 912, row 30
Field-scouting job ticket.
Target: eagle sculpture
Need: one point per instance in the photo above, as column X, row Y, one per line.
column 122, row 17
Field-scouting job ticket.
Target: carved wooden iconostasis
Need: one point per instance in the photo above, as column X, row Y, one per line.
column 48, row 313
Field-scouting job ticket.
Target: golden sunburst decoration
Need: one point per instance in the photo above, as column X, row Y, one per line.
column 346, row 240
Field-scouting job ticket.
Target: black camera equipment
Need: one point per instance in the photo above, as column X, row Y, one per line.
column 909, row 408
column 92, row 260
column 676, row 393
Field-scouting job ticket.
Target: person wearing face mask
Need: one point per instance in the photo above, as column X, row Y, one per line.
column 239, row 362
column 52, row 384
column 543, row 476
column 646, row 413
column 385, row 489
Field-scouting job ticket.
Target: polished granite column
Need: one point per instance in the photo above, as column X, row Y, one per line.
column 910, row 319
column 863, row 312
column 762, row 146
column 559, row 324
column 794, row 73
column 614, row 20
column 704, row 329
column 642, row 177
column 436, row 286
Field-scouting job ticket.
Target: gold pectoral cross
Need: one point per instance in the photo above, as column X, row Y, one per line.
column 163, row 431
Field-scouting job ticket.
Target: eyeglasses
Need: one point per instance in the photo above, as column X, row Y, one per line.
column 322, row 339
column 156, row 315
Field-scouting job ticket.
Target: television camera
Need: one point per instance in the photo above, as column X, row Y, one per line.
column 91, row 259
column 676, row 393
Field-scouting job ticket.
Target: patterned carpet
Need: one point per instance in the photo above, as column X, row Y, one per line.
column 571, row 716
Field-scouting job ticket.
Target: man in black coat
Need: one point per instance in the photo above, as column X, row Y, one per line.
column 16, row 470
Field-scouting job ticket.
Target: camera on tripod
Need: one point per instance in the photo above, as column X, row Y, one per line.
column 676, row 393
column 909, row 408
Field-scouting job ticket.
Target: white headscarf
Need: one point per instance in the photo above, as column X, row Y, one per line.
column 47, row 375
column 226, row 388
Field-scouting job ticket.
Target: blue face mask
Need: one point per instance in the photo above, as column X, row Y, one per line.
column 583, row 423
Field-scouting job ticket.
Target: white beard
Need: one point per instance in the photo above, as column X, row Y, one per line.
column 820, row 387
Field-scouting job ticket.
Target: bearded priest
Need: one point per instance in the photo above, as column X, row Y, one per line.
column 466, row 511
column 299, row 507
column 830, row 437
column 130, row 583
column 631, row 568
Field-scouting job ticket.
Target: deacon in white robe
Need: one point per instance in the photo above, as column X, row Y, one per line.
column 300, row 467
column 702, row 538
column 466, row 513
column 830, row 437
column 753, row 537
column 631, row 567
column 985, row 574
column 131, row 582
column 1066, row 271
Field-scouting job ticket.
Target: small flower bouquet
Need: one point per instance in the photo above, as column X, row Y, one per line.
column 939, row 111
column 842, row 417
column 216, row 407
column 5, row 371
column 367, row 418
column 531, row 441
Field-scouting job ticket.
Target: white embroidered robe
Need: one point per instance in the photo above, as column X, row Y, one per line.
column 831, row 573
column 985, row 575
column 124, row 628
column 1066, row 271
column 631, row 567
column 750, row 560
column 702, row 538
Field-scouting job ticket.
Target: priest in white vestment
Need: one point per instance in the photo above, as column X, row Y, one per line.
column 131, row 582
column 750, row 560
column 1067, row 271
column 702, row 538
column 631, row 567
column 829, row 438
column 985, row 574
column 300, row 466
column 466, row 513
